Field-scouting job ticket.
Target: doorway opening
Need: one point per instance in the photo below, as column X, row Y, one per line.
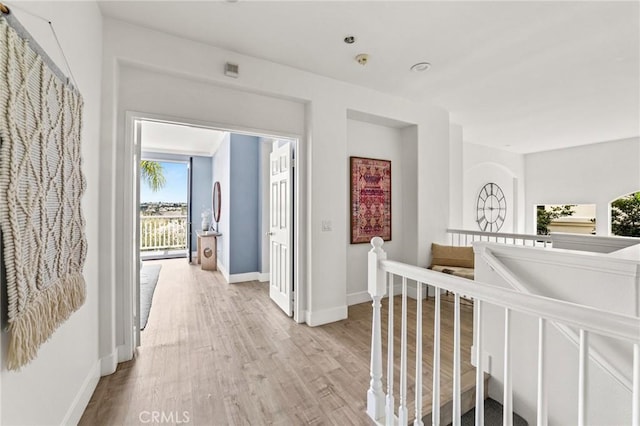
column 164, row 208
column 233, row 146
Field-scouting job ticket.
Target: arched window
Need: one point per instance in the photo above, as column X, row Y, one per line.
column 625, row 215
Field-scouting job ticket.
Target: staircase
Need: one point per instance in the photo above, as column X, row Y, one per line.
column 391, row 404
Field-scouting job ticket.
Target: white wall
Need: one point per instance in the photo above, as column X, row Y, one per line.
column 482, row 165
column 189, row 82
column 221, row 164
column 54, row 389
column 456, row 175
column 385, row 143
column 265, row 152
column 589, row 174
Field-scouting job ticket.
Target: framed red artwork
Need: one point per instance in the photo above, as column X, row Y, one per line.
column 370, row 199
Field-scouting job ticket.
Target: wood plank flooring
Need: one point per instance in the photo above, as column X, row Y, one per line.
column 224, row 354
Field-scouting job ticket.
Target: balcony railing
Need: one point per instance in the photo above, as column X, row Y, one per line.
column 163, row 232
column 463, row 237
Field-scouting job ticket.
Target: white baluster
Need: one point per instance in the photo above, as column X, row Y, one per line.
column 435, row 405
column 582, row 377
column 479, row 366
column 507, row 418
column 456, row 362
column 542, row 381
column 376, row 287
column 390, row 408
column 402, row 409
column 418, row 419
column 452, row 239
column 635, row 406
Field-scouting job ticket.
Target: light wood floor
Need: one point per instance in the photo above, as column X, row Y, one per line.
column 226, row 355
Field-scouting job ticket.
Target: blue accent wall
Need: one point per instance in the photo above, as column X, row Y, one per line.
column 244, row 229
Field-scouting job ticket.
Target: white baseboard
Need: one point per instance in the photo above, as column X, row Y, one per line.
column 358, row 297
column 326, row 316
column 79, row 404
column 265, row 277
column 241, row 278
column 109, row 363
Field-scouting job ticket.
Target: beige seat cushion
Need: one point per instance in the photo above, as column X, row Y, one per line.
column 455, row 270
column 452, row 256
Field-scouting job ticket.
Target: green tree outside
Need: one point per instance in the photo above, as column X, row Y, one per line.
column 153, row 174
column 625, row 216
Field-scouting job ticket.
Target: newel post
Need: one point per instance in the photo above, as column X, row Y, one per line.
column 377, row 286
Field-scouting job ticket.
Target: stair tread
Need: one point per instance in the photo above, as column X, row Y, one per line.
column 492, row 415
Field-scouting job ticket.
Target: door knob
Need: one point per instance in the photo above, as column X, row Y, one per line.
column 269, row 234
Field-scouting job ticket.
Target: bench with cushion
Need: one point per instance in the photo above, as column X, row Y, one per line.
column 453, row 260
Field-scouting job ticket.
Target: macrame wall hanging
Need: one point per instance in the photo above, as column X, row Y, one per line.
column 41, row 186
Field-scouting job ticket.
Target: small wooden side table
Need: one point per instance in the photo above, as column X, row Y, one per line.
column 207, row 248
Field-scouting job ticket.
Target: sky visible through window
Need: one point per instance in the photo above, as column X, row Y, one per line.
column 175, row 190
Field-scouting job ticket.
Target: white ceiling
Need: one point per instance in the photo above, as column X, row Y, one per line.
column 522, row 76
column 171, row 138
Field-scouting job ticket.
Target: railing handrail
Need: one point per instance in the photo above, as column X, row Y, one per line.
column 164, row 217
column 617, row 325
column 529, row 237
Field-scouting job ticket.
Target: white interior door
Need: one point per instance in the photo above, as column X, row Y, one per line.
column 281, row 241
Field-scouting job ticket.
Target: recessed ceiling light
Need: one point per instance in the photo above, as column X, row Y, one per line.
column 350, row 39
column 421, row 66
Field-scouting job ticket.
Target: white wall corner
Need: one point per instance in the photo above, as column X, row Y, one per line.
column 82, row 398
column 223, row 271
column 264, row 277
column 326, row 316
column 358, row 297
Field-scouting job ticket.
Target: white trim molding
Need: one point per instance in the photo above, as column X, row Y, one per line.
column 79, row 404
column 554, row 256
column 358, row 297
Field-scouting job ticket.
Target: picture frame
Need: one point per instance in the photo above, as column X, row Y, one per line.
column 370, row 202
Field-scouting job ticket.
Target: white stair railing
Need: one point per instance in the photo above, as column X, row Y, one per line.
column 463, row 237
column 380, row 407
column 521, row 285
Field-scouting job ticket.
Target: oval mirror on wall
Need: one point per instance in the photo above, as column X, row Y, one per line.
column 216, row 203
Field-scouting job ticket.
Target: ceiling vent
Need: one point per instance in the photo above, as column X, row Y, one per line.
column 231, row 70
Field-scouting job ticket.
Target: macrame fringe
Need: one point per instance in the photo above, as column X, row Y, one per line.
column 34, row 326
